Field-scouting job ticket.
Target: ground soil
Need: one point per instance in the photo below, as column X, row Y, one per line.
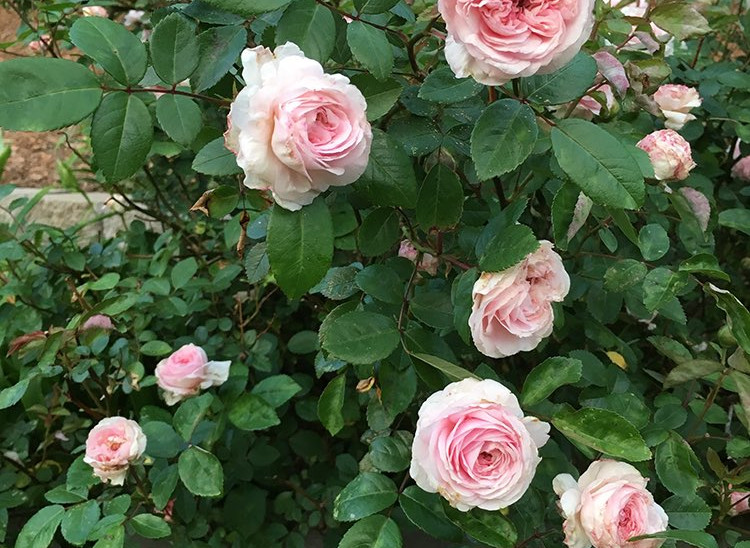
column 34, row 156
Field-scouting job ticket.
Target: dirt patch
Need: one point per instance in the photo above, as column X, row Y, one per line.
column 34, row 156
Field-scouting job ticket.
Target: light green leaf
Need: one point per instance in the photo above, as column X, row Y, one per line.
column 361, row 337
column 452, row 371
column 565, row 84
column 441, row 199
column 693, row 538
column 13, row 394
column 365, row 495
column 426, row 512
column 174, row 49
column 309, row 25
column 680, row 20
column 677, row 466
column 442, row 86
column 38, row 531
column 379, row 232
column 251, row 412
column 183, row 271
column 372, row 532
column 190, row 413
column 247, row 8
column 371, row 48
column 380, row 95
column 738, row 219
column 78, row 522
column 162, row 440
column 201, row 472
column 117, row 50
column 491, row 528
column 687, row 512
column 508, row 248
column 216, row 159
column 179, row 117
column 653, row 241
column 277, row 390
column 150, row 526
column 389, row 179
column 219, row 49
column 547, row 377
column 331, row 403
column 738, row 317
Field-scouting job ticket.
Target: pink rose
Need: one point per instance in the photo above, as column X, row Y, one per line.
column 494, row 41
column 607, row 506
column 428, row 263
column 675, row 102
column 408, row 251
column 111, row 446
column 98, row 321
column 295, row 129
column 474, row 446
column 670, row 154
column 512, row 309
column 740, row 502
column 187, row 371
column 37, row 46
column 741, row 170
column 95, row 11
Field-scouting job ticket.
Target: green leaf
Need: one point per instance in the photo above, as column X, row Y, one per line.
column 78, row 522
column 300, row 246
column 201, row 472
column 738, row 219
column 361, row 337
column 603, row 431
column 508, row 248
column 117, row 50
column 693, row 538
column 433, row 308
column 183, row 271
column 452, row 371
column 660, row 286
column 256, row 263
column 365, row 495
column 425, row 510
column 676, row 466
column 491, row 528
column 174, row 49
column 379, row 232
column 547, row 377
column 309, row 25
column 391, row 453
column 371, row 48
column 653, row 241
column 112, row 538
column 38, row 531
column 680, row 19
column 382, row 283
column 565, row 84
column 570, row 209
column 331, row 403
column 374, row 6
column 216, row 159
column 13, row 394
column 503, row 137
column 461, row 291
column 277, row 390
column 372, row 532
column 624, row 274
column 705, row 264
column 219, row 49
column 338, row 283
column 40, row 94
column 247, row 8
column 190, row 413
column 163, row 485
column 389, row 179
column 689, row 512
column 155, row 348
column 251, row 412
column 441, row 199
column 742, row 382
column 598, row 163
column 442, row 86
column 121, row 135
column 179, row 117
column 150, row 526
column 380, row 95
column 162, row 440
column 691, row 370
column 738, row 317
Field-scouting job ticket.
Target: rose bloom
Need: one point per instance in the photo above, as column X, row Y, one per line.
column 741, row 170
column 111, row 446
column 675, row 102
column 607, row 506
column 295, row 129
column 37, row 46
column 95, row 11
column 187, row 371
column 494, row 41
column 512, row 310
column 670, row 154
column 474, row 446
column 428, row 263
column 98, row 321
column 133, row 18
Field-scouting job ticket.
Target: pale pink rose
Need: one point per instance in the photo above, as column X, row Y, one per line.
column 40, row 45
column 295, row 129
column 740, row 502
column 98, row 321
column 494, row 41
column 474, row 446
column 741, row 170
column 112, row 445
column 428, row 263
column 588, row 106
column 95, row 11
column 512, row 310
column 670, row 154
column 133, row 18
column 675, row 102
column 185, row 372
column 699, row 205
column 608, row 506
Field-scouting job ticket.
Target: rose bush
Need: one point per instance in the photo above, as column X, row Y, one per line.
column 384, row 273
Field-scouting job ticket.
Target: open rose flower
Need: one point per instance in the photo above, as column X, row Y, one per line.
column 512, row 310
column 112, row 445
column 607, row 506
column 669, row 153
column 474, row 446
column 296, row 130
column 675, row 102
column 494, row 41
column 94, row 11
column 187, row 371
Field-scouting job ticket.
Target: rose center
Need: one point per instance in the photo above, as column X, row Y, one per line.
column 114, row 443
